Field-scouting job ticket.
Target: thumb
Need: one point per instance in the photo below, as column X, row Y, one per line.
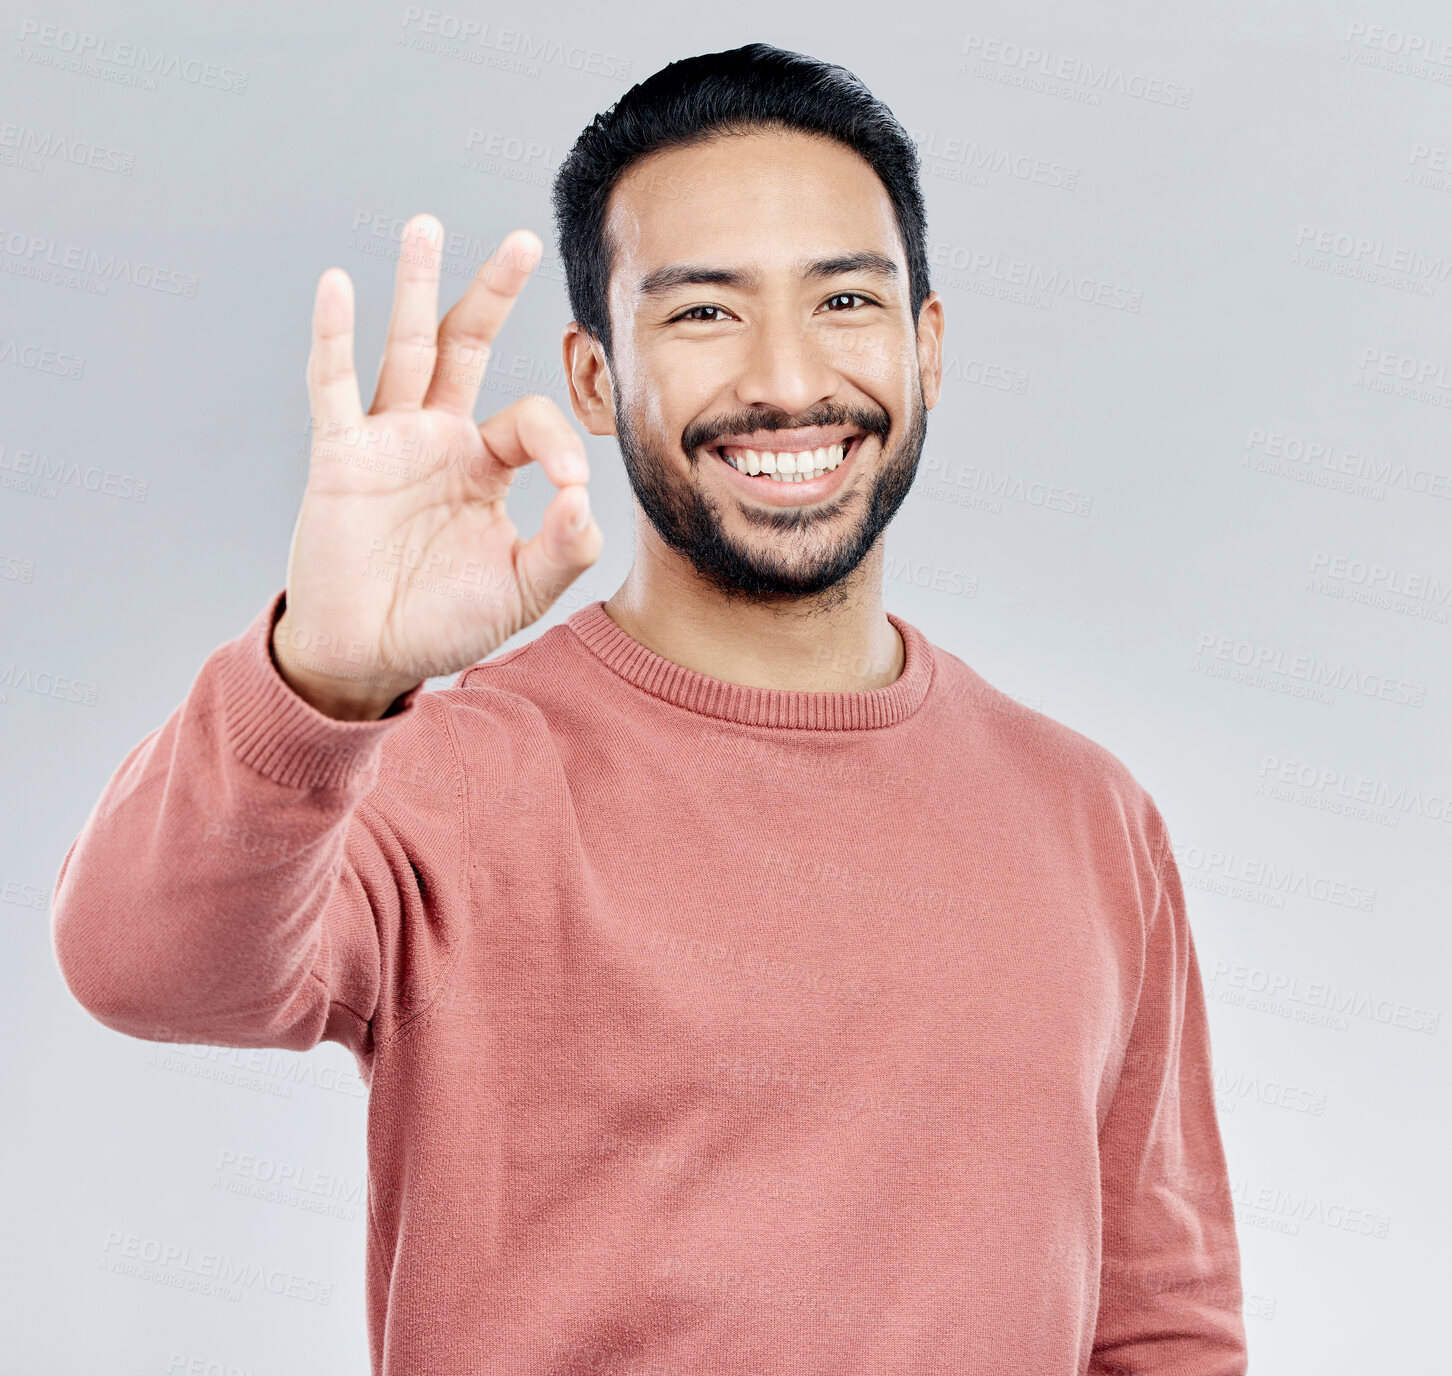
column 567, row 543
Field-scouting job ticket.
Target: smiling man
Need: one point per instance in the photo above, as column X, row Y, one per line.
column 742, row 983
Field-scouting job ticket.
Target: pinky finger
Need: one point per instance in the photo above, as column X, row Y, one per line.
column 332, row 381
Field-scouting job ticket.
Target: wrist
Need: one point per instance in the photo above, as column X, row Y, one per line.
column 345, row 696
column 342, row 700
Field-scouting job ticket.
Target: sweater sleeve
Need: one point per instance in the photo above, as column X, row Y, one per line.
column 1170, row 1294
column 256, row 873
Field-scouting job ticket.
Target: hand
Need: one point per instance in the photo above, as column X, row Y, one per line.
column 404, row 563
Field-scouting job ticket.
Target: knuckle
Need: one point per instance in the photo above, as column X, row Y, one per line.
column 463, row 336
column 465, row 349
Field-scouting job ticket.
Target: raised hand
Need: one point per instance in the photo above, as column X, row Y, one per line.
column 404, row 563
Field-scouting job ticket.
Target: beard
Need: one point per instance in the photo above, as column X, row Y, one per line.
column 789, row 564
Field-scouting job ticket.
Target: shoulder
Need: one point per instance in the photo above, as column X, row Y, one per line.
column 487, row 740
column 1072, row 803
column 1062, row 771
column 517, row 685
column 508, row 688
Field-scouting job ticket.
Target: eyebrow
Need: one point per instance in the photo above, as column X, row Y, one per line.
column 662, row 280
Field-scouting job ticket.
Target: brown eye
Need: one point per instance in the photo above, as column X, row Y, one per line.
column 688, row 314
column 849, row 296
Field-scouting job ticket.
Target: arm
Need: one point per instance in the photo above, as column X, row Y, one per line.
column 247, row 878
column 241, row 880
column 1170, row 1296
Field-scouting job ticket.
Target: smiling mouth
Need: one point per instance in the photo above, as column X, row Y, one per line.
column 787, row 466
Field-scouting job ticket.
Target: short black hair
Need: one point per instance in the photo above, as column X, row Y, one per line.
column 701, row 98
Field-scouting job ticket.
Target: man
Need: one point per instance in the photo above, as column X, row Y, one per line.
column 742, row 983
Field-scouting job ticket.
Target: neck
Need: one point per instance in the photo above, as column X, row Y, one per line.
column 838, row 641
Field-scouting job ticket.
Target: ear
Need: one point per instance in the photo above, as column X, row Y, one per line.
column 930, row 348
column 588, row 375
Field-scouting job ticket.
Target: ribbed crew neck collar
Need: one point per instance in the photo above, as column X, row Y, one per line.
column 714, row 697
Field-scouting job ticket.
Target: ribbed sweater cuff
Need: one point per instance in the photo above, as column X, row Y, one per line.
column 279, row 734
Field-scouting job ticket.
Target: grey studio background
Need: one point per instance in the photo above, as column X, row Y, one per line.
column 1188, row 491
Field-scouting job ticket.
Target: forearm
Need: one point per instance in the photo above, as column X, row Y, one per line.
column 1170, row 1290
column 191, row 904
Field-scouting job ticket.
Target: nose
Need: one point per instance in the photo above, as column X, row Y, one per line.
column 785, row 369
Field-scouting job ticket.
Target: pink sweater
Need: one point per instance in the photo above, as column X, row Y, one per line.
column 707, row 1029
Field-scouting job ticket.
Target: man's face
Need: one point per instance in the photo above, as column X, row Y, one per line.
column 760, row 315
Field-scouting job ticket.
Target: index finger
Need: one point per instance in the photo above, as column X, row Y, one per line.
column 468, row 330
column 535, row 429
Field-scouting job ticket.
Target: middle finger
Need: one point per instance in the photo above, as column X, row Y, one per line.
column 468, row 330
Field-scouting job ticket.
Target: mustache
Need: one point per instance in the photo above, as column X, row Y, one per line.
column 701, row 433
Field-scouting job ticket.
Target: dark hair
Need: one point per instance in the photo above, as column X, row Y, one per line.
column 701, row 98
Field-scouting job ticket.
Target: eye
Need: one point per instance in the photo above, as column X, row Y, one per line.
column 850, row 296
column 691, row 314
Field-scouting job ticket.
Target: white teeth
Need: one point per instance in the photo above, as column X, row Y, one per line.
column 793, row 467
